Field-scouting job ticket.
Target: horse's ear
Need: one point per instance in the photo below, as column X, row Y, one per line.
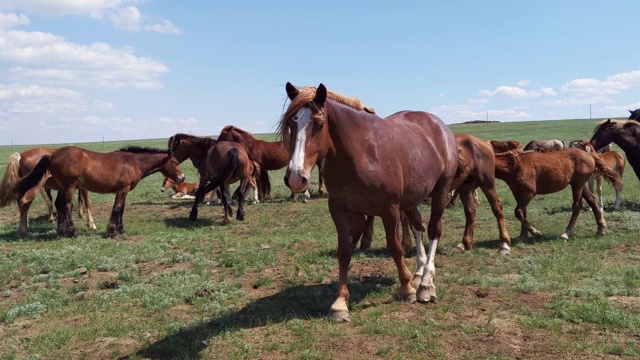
column 607, row 122
column 631, row 112
column 321, row 95
column 292, row 91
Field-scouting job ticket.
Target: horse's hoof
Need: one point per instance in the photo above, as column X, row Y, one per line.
column 427, row 294
column 339, row 316
column 600, row 233
column 564, row 236
column 504, row 251
column 409, row 299
column 193, row 217
column 460, row 247
column 27, row 234
column 240, row 218
column 93, row 227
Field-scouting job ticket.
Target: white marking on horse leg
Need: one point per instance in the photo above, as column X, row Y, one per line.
column 421, row 257
column 427, row 288
column 618, row 198
column 339, row 310
column 504, row 249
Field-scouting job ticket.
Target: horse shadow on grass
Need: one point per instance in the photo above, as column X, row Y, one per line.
column 297, row 302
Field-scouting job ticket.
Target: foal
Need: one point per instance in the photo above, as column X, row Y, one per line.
column 530, row 173
column 183, row 190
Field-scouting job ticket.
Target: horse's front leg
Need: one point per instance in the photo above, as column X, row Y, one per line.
column 521, row 214
column 489, row 190
column 115, row 220
column 193, row 216
column 339, row 310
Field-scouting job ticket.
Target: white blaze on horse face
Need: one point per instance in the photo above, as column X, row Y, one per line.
column 296, row 164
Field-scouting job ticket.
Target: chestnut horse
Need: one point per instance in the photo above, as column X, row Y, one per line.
column 183, row 190
column 20, row 164
column 613, row 159
column 624, row 133
column 504, row 146
column 531, row 173
column 114, row 172
column 478, row 170
column 372, row 167
column 544, row 145
column 268, row 156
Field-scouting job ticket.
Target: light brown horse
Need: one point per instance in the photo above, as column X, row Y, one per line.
column 268, row 155
column 504, row 146
column 614, row 160
column 21, row 164
column 530, row 173
column 184, row 190
column 376, row 167
column 114, row 172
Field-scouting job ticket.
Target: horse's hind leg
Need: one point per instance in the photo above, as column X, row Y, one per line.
column 427, row 289
column 23, row 229
column 240, row 212
column 590, row 199
column 489, row 191
column 575, row 209
column 616, row 206
column 84, row 194
column 46, row 194
column 391, row 221
column 226, row 204
column 599, row 190
column 367, row 234
column 465, row 191
column 521, row 214
column 115, row 226
column 64, row 205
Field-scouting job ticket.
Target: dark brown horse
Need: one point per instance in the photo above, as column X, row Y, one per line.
column 634, row 115
column 625, row 134
column 504, row 146
column 531, row 173
column 217, row 168
column 268, row 155
column 114, row 172
column 477, row 170
column 21, row 164
column 372, row 167
column 544, row 145
column 614, row 160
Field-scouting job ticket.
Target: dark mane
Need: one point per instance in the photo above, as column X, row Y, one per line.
column 142, row 150
column 209, row 142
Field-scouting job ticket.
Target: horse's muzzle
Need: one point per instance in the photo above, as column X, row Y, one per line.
column 298, row 183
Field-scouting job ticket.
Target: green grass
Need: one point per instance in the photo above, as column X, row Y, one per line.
column 261, row 288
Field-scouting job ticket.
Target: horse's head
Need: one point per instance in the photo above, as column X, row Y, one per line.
column 171, row 168
column 177, row 148
column 305, row 133
column 603, row 134
column 166, row 184
column 634, row 115
column 226, row 134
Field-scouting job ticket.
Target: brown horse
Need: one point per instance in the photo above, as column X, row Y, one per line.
column 624, row 133
column 114, row 172
column 544, row 145
column 268, row 155
column 614, row 160
column 504, row 146
column 530, row 173
column 184, row 190
column 372, row 167
column 21, row 164
column 634, row 114
column 477, row 170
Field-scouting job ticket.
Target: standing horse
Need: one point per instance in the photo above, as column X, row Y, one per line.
column 268, row 156
column 530, row 173
column 114, row 172
column 634, row 115
column 504, row 146
column 372, row 167
column 613, row 159
column 21, row 164
column 624, row 133
column 544, row 145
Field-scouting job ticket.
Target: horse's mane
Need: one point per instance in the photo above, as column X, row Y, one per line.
column 513, row 153
column 143, row 150
column 209, row 142
column 617, row 125
column 230, row 128
column 306, row 95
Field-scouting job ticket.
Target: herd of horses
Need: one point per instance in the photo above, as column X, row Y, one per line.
column 371, row 167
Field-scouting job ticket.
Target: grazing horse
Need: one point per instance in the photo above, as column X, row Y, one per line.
column 376, row 167
column 624, row 133
column 634, row 115
column 530, row 173
column 504, row 146
column 114, row 172
column 542, row 145
column 268, row 156
column 21, row 164
column 614, row 160
column 183, row 190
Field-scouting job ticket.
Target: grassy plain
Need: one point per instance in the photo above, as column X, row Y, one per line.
column 261, row 288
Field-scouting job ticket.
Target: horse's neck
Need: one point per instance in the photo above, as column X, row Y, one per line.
column 149, row 163
column 344, row 122
column 198, row 154
column 505, row 165
column 627, row 142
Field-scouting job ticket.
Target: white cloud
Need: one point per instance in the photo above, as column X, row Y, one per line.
column 166, row 27
column 50, row 58
column 613, row 84
column 127, row 18
column 523, row 82
column 11, row 20
column 507, row 91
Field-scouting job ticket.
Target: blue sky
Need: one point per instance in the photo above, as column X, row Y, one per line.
column 77, row 71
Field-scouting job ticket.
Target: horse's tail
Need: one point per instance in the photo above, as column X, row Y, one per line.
column 11, row 177
column 610, row 175
column 34, row 177
column 228, row 170
column 265, row 183
column 462, row 164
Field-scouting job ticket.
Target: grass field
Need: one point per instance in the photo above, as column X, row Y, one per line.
column 261, row 288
